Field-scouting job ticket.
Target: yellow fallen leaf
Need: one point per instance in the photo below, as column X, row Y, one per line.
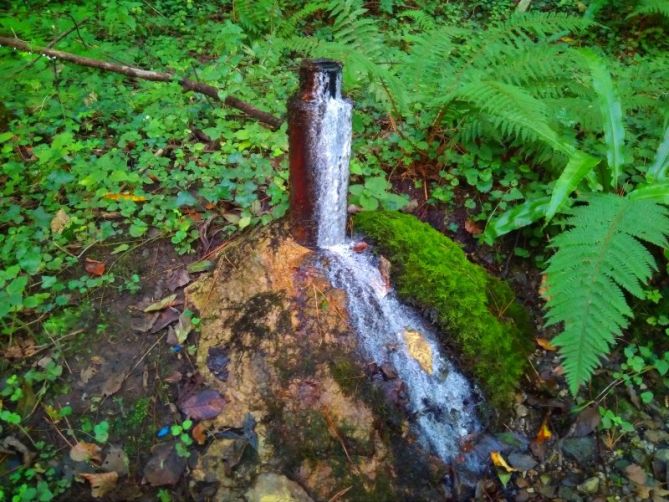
column 168, row 301
column 544, row 288
column 419, row 349
column 124, row 196
column 499, row 461
column 546, row 344
column 544, row 433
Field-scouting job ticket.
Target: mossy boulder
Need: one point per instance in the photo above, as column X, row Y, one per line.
column 477, row 312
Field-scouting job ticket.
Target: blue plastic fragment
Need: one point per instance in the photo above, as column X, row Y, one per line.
column 163, row 431
column 176, row 348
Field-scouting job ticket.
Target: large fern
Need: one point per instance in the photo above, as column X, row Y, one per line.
column 497, row 82
column 597, row 260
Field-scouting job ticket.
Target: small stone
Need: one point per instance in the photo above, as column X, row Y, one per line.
column 388, row 371
column 589, row 486
column 568, row 493
column 521, row 410
column 270, row 486
column 582, row 450
column 522, row 461
column 547, row 491
column 662, row 455
column 657, row 436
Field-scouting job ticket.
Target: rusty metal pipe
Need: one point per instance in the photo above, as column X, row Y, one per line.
column 320, row 80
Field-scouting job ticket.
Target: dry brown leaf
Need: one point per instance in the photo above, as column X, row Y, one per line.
column 636, row 474
column 174, row 377
column 87, row 373
column 499, row 461
column 101, row 483
column 21, row 349
column 85, row 452
column 360, row 247
column 168, row 301
column 94, row 267
column 199, row 433
column 113, row 384
column 586, row 422
column 546, row 344
column 472, row 228
column 59, row 222
column 544, row 288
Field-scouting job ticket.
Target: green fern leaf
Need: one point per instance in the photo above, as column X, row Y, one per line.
column 658, row 171
column 598, row 259
column 652, row 7
column 578, row 167
column 518, row 217
column 611, row 110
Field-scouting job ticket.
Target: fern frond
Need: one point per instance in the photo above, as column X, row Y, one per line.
column 598, row 259
column 256, row 15
column 514, row 112
column 652, row 7
column 422, row 20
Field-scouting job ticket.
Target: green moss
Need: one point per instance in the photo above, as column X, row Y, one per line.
column 477, row 312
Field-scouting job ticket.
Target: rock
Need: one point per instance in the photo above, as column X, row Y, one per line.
column 521, row 410
column 589, row 486
column 388, row 371
column 657, row 436
column 582, row 450
column 274, row 487
column 275, row 343
column 420, row 349
column 548, row 491
column 568, row 493
column 522, row 461
column 662, row 455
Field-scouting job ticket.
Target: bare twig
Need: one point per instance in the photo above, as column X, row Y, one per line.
column 188, row 85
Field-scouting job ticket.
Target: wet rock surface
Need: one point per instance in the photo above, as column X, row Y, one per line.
column 304, row 419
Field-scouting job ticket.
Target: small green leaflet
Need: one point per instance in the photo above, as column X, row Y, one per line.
column 515, row 218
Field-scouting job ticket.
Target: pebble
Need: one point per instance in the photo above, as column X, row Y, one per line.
column 657, row 436
column 589, row 486
column 521, row 411
column 662, row 455
column 522, row 461
column 388, row 371
column 582, row 450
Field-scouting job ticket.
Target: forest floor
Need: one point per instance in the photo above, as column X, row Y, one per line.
column 123, row 368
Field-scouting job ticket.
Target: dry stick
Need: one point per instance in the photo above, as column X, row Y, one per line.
column 54, row 42
column 189, row 85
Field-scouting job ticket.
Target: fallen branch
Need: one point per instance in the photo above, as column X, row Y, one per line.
column 155, row 76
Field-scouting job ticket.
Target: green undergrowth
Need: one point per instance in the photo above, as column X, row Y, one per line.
column 477, row 312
